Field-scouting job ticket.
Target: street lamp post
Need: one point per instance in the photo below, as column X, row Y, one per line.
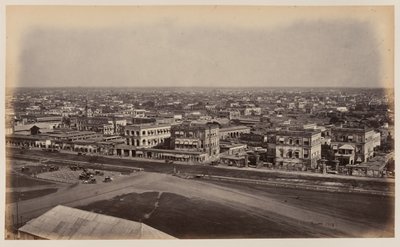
column 323, row 162
column 336, row 162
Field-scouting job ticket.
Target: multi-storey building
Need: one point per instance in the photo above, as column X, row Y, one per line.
column 298, row 149
column 60, row 139
column 271, row 146
column 256, row 111
column 73, row 135
column 139, row 113
column 134, row 112
column 188, row 142
column 352, row 145
column 147, row 135
column 97, row 124
column 254, row 139
column 229, row 114
column 233, row 131
column 203, row 138
column 119, row 125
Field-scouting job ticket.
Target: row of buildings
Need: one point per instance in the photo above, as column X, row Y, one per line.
column 304, row 148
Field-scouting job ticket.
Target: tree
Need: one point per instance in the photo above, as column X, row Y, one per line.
column 327, row 153
column 334, row 120
column 150, row 104
column 66, row 121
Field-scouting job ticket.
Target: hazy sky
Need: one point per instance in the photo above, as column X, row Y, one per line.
column 224, row 46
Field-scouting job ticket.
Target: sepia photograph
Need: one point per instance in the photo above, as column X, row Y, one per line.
column 197, row 122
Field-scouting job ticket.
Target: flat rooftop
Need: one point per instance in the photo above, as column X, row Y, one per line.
column 357, row 130
column 146, row 126
column 231, row 128
column 70, row 133
column 297, row 132
column 172, row 151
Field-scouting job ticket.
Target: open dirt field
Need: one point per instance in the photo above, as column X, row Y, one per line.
column 196, row 218
column 368, row 209
column 178, row 199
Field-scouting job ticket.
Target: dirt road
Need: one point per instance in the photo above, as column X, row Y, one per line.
column 260, row 205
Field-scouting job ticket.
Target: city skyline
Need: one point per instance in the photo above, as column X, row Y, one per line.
column 210, row 87
column 269, row 152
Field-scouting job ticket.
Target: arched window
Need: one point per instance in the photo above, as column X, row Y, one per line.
column 290, row 154
column 281, row 152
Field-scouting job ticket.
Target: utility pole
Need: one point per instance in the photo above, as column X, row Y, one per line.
column 114, row 124
column 209, row 140
column 17, row 202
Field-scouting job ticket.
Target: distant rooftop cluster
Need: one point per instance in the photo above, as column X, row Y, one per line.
column 299, row 129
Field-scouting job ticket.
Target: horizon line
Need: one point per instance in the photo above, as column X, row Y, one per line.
column 238, row 87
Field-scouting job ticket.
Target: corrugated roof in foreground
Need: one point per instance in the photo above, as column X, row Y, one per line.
column 65, row 223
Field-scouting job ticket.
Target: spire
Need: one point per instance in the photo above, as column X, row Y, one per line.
column 114, row 124
column 86, row 107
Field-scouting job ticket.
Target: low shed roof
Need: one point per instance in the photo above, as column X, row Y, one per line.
column 63, row 222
